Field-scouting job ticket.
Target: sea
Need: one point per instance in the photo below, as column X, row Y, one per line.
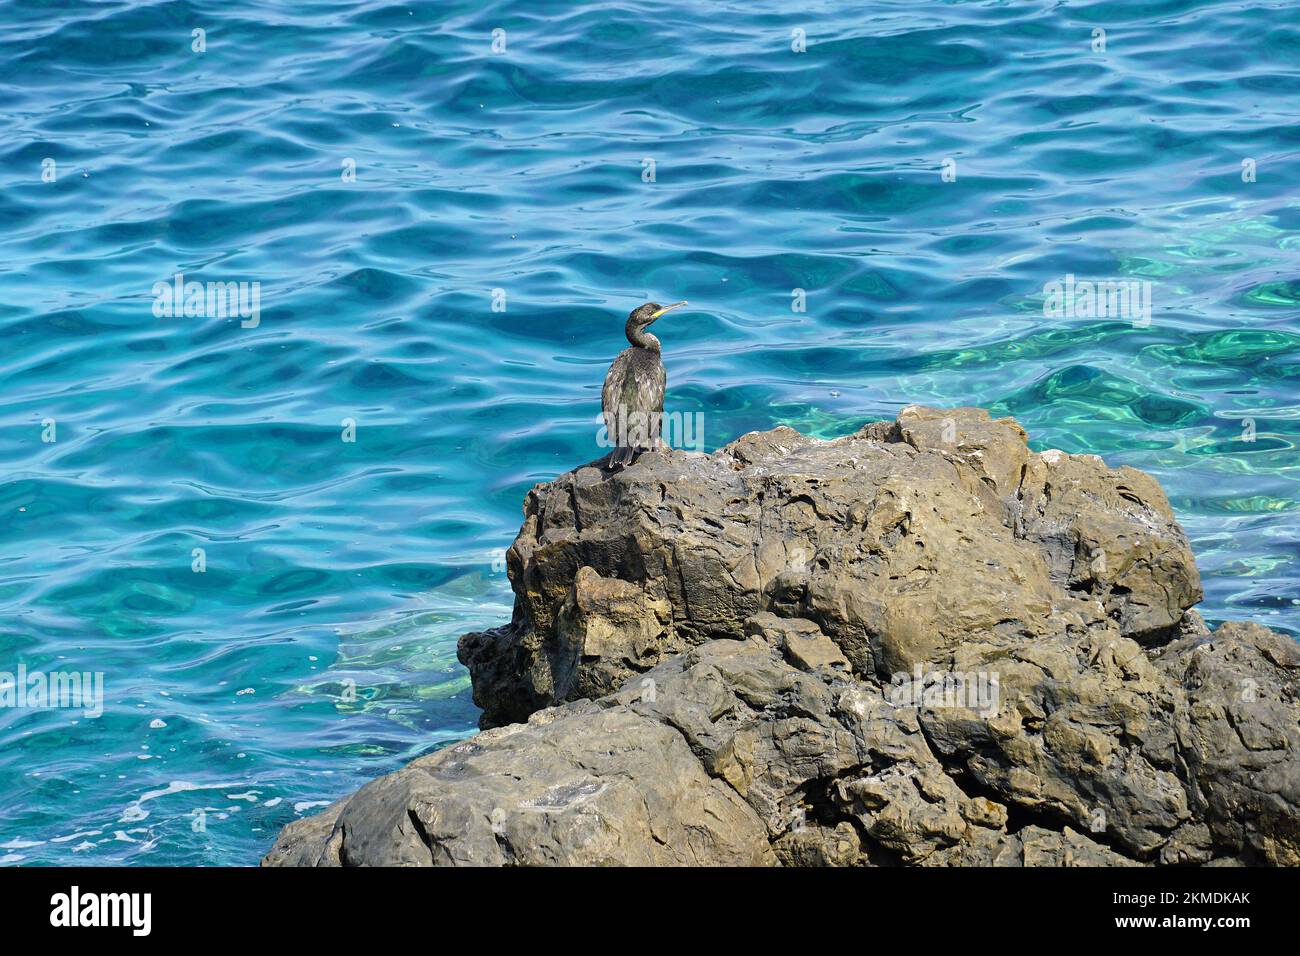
column 298, row 300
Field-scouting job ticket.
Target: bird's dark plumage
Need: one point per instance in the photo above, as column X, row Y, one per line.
column 632, row 400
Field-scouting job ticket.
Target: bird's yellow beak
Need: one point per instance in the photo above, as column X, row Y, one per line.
column 668, row 308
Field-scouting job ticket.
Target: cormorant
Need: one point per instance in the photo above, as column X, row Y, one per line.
column 632, row 400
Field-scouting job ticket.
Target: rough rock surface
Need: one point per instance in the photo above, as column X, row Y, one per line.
column 919, row 644
column 899, row 542
column 579, row 785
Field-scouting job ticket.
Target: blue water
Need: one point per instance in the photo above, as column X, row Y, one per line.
column 317, row 649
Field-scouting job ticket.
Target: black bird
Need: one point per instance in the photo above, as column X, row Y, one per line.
column 632, row 400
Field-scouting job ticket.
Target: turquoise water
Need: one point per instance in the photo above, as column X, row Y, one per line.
column 317, row 649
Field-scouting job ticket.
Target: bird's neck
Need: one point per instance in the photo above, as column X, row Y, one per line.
column 642, row 339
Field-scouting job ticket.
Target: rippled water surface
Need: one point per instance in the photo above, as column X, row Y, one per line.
column 317, row 650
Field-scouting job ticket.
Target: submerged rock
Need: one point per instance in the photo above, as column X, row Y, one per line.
column 919, row 644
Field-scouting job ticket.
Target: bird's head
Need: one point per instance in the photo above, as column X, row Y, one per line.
column 643, row 315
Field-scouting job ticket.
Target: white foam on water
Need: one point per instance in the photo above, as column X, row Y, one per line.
column 21, row 844
column 135, row 811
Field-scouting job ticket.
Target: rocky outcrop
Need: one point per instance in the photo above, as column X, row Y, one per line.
column 900, row 542
column 919, row 644
column 1237, row 743
column 579, row 785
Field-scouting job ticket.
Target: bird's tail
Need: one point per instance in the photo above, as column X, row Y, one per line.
column 622, row 457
